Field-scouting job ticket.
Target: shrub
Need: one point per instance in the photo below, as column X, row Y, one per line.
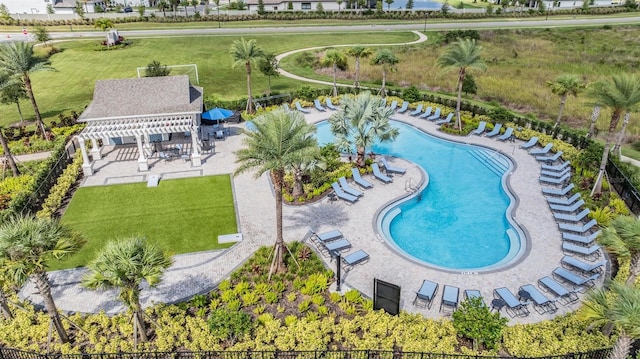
column 228, row 324
column 411, row 94
column 474, row 320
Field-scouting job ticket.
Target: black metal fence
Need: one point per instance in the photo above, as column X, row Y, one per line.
column 624, row 187
column 9, row 353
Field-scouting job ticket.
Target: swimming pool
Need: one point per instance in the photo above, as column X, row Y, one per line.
column 459, row 220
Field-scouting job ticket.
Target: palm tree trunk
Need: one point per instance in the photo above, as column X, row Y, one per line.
column 7, row 155
column 615, row 118
column 383, row 92
column 356, row 83
column 594, row 117
column 4, row 306
column 335, row 76
column 278, row 176
column 39, row 123
column 460, row 81
column 250, row 99
column 620, row 137
column 621, row 347
column 269, row 83
column 562, row 102
column 360, row 153
column 138, row 321
column 42, row 283
column 19, row 110
column 634, row 269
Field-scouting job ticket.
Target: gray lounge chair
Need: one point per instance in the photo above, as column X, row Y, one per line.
column 506, row 135
column 555, row 173
column 472, row 293
column 330, row 105
column 425, row 295
column 587, row 268
column 532, row 142
column 335, row 246
column 355, row 258
column 541, row 304
column 550, row 159
column 379, row 175
column 570, row 217
column 574, row 279
column 558, row 192
column 449, row 300
column 543, row 151
column 480, row 129
column 568, row 208
column 391, row 169
column 299, row 107
column 357, row 178
column 578, row 229
column 436, row 115
column 342, row 194
column 585, row 240
column 326, row 236
column 426, row 112
column 565, row 296
column 405, row 107
column 592, row 252
column 495, row 131
column 394, row 105
column 350, row 190
column 446, row 120
column 318, row 106
column 514, row 306
column 564, row 201
column 556, row 168
column 417, row 110
column 554, row 180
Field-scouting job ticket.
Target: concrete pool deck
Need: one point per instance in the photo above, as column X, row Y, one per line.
column 200, row 272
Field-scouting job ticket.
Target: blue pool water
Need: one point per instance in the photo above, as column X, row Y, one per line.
column 459, row 221
column 417, row 5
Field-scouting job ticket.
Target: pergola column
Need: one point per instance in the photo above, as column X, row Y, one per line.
column 87, row 166
column 95, row 150
column 142, row 160
column 196, row 159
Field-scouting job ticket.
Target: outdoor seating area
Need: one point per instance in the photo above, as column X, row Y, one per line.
column 332, row 243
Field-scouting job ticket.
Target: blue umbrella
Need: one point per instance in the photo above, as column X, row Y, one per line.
column 217, row 114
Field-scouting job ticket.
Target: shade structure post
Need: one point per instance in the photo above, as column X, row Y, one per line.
column 87, row 165
column 95, row 150
column 142, row 160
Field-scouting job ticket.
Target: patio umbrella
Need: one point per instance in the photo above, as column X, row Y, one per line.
column 217, row 114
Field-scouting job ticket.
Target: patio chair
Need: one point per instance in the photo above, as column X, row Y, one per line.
column 379, row 175
column 480, row 129
column 532, row 142
column 584, row 240
column 449, row 300
column 565, row 296
column 355, row 258
column 570, row 262
column 426, row 112
column 328, row 249
column 591, row 252
column 472, row 293
column 330, row 105
column 404, row 108
column 543, row 151
column 564, row 201
column 342, row 194
column 326, row 236
column 554, row 180
column 394, row 105
column 514, row 307
column 550, row 159
column 350, row 190
column 417, row 110
column 574, row 279
column 426, row 293
column 165, row 156
column 318, row 105
column 391, row 169
column 558, row 192
column 299, row 107
column 506, row 135
column 570, row 217
column 357, row 178
column 556, row 168
column 446, row 120
column 219, row 135
column 541, row 304
column 436, row 115
column 495, row 131
column 578, row 229
column 555, row 173
column 568, row 208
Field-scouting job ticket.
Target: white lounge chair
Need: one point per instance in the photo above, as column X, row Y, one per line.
column 379, row 175
column 357, row 178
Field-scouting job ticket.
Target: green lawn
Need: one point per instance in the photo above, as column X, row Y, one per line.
column 180, row 216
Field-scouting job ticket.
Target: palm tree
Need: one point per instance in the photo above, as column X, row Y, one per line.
column 104, row 24
column 620, row 308
column 361, row 122
column 563, row 86
column 277, row 144
column 247, row 54
column 18, row 61
column 27, row 244
column 622, row 238
column 620, row 94
column 269, row 67
column 124, row 264
column 163, row 6
column 7, row 154
column 462, row 55
column 387, row 60
column 334, row 58
column 308, row 161
column 358, row 52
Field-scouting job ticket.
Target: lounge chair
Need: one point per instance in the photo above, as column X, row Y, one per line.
column 318, row 106
column 541, row 304
column 506, row 135
column 355, row 258
column 426, row 294
column 495, row 131
column 574, row 279
column 579, row 229
column 379, row 175
column 555, row 173
column 556, row 168
column 326, row 236
column 299, row 107
column 417, row 110
column 350, row 190
column 585, row 240
column 558, row 192
column 514, row 306
column 532, row 142
column 568, row 208
column 357, row 178
column 426, row 113
column 592, row 252
column 342, row 194
column 334, row 246
column 565, row 296
column 543, row 151
column 472, row 293
column 449, row 300
column 480, row 129
column 570, row 217
column 446, row 120
column 554, row 180
column 564, row 201
column 587, row 268
column 330, row 105
column 391, row 169
column 394, row 105
column 549, row 159
column 436, row 115
column 405, row 107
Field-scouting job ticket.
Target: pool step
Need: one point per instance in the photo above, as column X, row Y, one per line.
column 492, row 160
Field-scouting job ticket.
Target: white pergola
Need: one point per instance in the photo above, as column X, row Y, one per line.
column 139, row 108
